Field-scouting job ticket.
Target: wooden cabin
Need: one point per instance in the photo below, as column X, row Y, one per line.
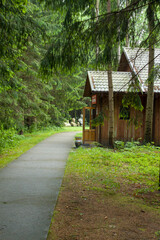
column 133, row 67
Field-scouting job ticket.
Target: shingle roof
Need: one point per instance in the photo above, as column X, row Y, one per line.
column 138, row 59
column 99, row 81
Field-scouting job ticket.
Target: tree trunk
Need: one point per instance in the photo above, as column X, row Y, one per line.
column 97, row 41
column 150, row 93
column 108, row 6
column 97, row 54
column 111, row 97
column 159, row 176
column 119, row 48
column 127, row 36
column 111, row 108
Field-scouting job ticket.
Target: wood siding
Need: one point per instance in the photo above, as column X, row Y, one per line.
column 123, row 65
column 126, row 130
column 156, row 120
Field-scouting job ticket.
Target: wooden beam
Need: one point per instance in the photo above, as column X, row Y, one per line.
column 90, row 119
column 83, row 123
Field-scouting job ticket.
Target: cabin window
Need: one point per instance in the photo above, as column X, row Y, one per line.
column 124, row 113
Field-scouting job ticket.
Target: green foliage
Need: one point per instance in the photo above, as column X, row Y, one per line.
column 111, row 169
column 8, row 138
column 119, row 145
column 154, row 75
column 13, row 145
column 124, row 113
column 99, row 120
column 132, row 99
column 125, row 145
column 27, row 100
column 66, row 42
column 78, row 135
column 77, row 41
column 157, row 234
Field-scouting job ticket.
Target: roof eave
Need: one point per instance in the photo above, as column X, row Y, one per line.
column 90, row 81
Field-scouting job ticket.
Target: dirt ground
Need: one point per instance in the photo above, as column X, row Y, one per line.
column 85, row 214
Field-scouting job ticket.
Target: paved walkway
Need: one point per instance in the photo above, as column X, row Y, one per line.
column 29, row 187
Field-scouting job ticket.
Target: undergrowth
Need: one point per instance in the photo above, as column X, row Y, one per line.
column 111, row 169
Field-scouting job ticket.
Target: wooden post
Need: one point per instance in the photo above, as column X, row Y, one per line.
column 83, row 125
column 90, row 119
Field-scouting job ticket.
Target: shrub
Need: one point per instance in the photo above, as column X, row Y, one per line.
column 119, row 144
column 8, row 138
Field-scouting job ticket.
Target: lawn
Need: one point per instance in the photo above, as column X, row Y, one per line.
column 109, row 195
column 22, row 143
column 135, row 166
column 106, row 194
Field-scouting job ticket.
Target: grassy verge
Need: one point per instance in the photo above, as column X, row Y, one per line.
column 132, row 170
column 79, row 134
column 29, row 140
column 109, row 194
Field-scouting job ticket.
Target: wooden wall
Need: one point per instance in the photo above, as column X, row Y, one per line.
column 126, row 130
column 156, row 120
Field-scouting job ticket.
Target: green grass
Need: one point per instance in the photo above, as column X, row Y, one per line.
column 79, row 134
column 29, row 140
column 110, row 169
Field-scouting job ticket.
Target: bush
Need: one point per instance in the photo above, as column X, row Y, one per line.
column 8, row 138
column 122, row 145
column 119, row 144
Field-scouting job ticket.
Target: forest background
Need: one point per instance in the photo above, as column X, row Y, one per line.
column 46, row 47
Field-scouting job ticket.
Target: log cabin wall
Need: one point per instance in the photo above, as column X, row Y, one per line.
column 98, row 107
column 124, row 130
column 156, row 120
column 97, row 112
column 104, row 128
column 123, row 65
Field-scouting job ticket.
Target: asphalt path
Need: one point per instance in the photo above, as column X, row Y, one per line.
column 29, row 188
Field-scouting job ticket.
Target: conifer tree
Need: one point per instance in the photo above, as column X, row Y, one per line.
column 150, row 93
column 81, row 31
column 111, row 96
column 26, row 99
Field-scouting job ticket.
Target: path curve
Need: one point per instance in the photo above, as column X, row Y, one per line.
column 29, row 188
